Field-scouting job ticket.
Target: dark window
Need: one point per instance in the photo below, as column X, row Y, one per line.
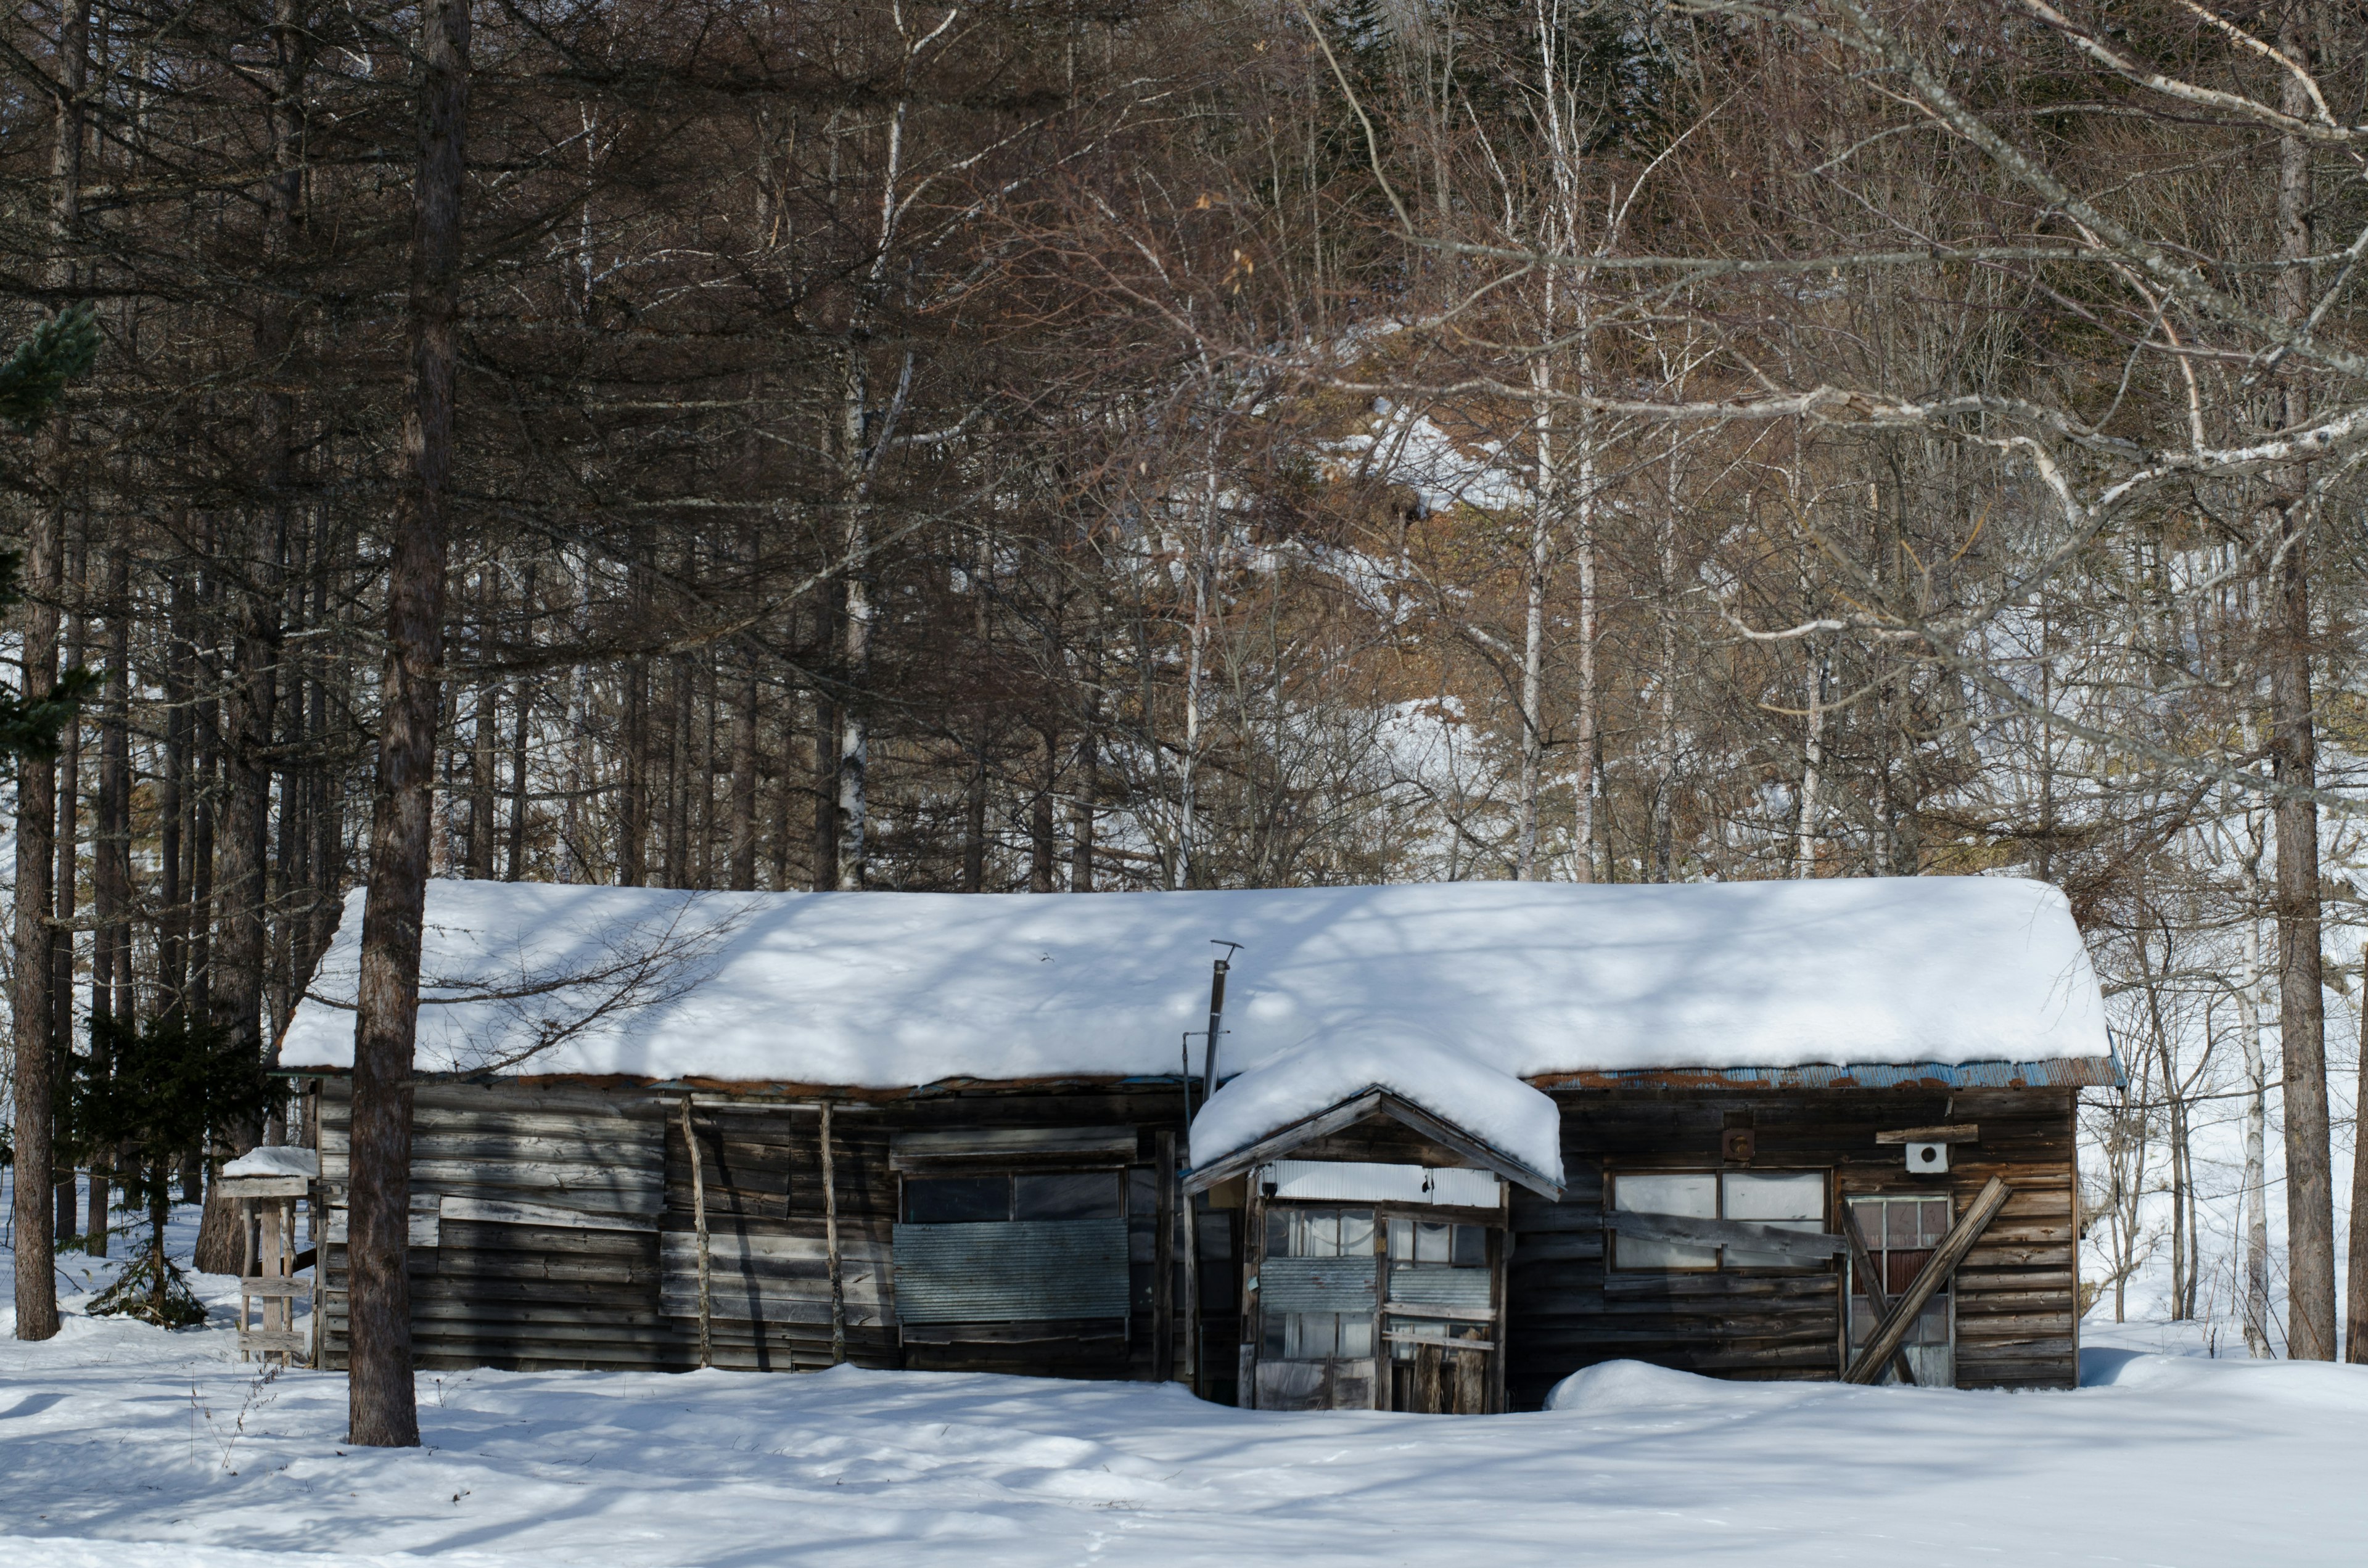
column 1058, row 1195
column 954, row 1201
column 1068, row 1195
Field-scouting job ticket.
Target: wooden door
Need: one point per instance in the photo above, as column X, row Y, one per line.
column 1319, row 1308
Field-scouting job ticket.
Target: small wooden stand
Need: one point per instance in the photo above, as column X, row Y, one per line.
column 266, row 1211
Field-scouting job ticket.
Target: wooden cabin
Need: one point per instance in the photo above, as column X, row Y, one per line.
column 1458, row 1141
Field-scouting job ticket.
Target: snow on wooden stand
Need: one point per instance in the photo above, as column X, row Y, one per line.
column 1463, row 1141
column 266, row 1183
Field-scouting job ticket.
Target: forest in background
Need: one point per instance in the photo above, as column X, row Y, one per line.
column 1043, row 447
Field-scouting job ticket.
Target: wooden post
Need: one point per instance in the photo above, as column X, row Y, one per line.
column 1429, row 1359
column 699, row 1217
column 1928, row 1280
column 830, row 1246
column 1191, row 1298
column 1163, row 1269
column 1878, row 1301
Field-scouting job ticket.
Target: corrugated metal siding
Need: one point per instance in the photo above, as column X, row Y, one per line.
column 1437, row 1285
column 1015, row 1271
column 1317, row 1284
column 1347, row 1181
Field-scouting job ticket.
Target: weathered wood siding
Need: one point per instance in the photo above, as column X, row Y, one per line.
column 554, row 1227
column 534, row 1227
column 2016, row 1308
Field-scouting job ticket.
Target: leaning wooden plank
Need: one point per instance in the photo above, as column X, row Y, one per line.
column 1958, row 1132
column 1893, row 1330
column 1870, row 1282
column 1799, row 1245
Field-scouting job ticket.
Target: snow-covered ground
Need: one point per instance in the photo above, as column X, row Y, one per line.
column 122, row 1447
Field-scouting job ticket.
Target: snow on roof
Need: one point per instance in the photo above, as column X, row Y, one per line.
column 1381, row 1052
column 275, row 1160
column 882, row 990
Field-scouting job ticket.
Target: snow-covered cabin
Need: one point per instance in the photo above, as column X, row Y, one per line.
column 1463, row 1139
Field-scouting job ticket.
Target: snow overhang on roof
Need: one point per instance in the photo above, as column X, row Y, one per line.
column 1380, row 1067
column 1542, row 981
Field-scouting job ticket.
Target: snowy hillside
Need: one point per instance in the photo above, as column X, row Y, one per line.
column 123, row 1446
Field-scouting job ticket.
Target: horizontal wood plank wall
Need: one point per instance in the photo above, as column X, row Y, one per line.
column 2016, row 1299
column 534, row 1227
column 552, row 1227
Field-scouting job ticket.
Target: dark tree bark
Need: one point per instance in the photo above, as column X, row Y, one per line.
column 2310, row 1190
column 110, row 882
column 37, row 1285
column 744, row 780
column 522, row 713
column 823, row 872
column 173, row 808
column 384, row 1410
column 239, row 942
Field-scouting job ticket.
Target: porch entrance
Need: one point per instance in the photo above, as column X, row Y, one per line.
column 1376, row 1287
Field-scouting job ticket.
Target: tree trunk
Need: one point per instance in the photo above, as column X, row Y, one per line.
column 2355, row 1303
column 823, row 872
column 2256, row 1195
column 382, row 1408
column 522, row 713
column 486, row 744
column 64, row 898
column 1081, row 805
column 37, row 1286
column 111, row 966
column 744, row 780
column 2310, row 1195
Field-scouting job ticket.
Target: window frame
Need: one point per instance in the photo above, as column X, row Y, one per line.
column 1717, row 1175
column 1879, row 1250
column 1010, row 1176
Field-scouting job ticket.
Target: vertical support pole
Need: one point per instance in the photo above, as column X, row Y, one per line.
column 1191, row 1297
column 830, row 1244
column 1163, row 1268
column 698, row 1219
column 247, row 1269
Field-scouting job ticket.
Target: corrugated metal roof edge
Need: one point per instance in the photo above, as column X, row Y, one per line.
column 2076, row 1071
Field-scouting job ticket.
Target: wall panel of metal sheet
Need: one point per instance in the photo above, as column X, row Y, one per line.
column 1318, row 1284
column 1011, row 1271
column 1437, row 1285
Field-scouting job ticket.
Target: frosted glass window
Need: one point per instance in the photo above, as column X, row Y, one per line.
column 1687, row 1196
column 1782, row 1201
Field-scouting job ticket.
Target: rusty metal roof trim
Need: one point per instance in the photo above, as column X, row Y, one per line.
column 2070, row 1072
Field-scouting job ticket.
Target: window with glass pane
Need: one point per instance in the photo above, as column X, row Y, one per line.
column 1424, row 1241
column 1319, row 1233
column 956, row 1200
column 1068, row 1195
column 1901, row 1236
column 1782, row 1200
column 1056, row 1195
column 1684, row 1196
